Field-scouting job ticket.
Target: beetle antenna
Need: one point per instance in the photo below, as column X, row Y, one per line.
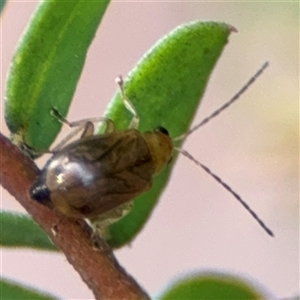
column 227, row 104
column 229, row 189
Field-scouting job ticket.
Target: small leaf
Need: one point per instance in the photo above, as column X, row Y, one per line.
column 166, row 88
column 13, row 291
column 2, row 4
column 21, row 231
column 212, row 286
column 47, row 67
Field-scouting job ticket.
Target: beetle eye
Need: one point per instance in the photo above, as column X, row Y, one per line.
column 163, row 130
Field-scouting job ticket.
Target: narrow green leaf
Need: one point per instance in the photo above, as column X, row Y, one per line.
column 2, row 4
column 15, row 291
column 21, row 231
column 166, row 88
column 212, row 286
column 47, row 66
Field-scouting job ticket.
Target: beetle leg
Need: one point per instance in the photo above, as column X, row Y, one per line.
column 85, row 125
column 110, row 126
column 101, row 223
column 66, row 139
column 134, row 124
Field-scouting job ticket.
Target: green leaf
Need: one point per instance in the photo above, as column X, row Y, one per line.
column 13, row 291
column 212, row 286
column 47, row 67
column 2, row 4
column 21, row 231
column 166, row 88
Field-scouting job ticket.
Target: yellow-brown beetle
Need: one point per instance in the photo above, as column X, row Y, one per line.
column 97, row 173
column 97, row 176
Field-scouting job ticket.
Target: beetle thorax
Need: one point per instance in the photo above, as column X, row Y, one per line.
column 161, row 147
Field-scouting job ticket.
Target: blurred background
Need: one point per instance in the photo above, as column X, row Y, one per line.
column 253, row 146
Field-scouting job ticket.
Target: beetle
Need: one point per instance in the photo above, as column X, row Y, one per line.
column 98, row 176
column 97, row 173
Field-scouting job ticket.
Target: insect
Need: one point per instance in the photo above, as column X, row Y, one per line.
column 98, row 176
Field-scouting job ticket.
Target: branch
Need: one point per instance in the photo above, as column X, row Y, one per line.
column 98, row 269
